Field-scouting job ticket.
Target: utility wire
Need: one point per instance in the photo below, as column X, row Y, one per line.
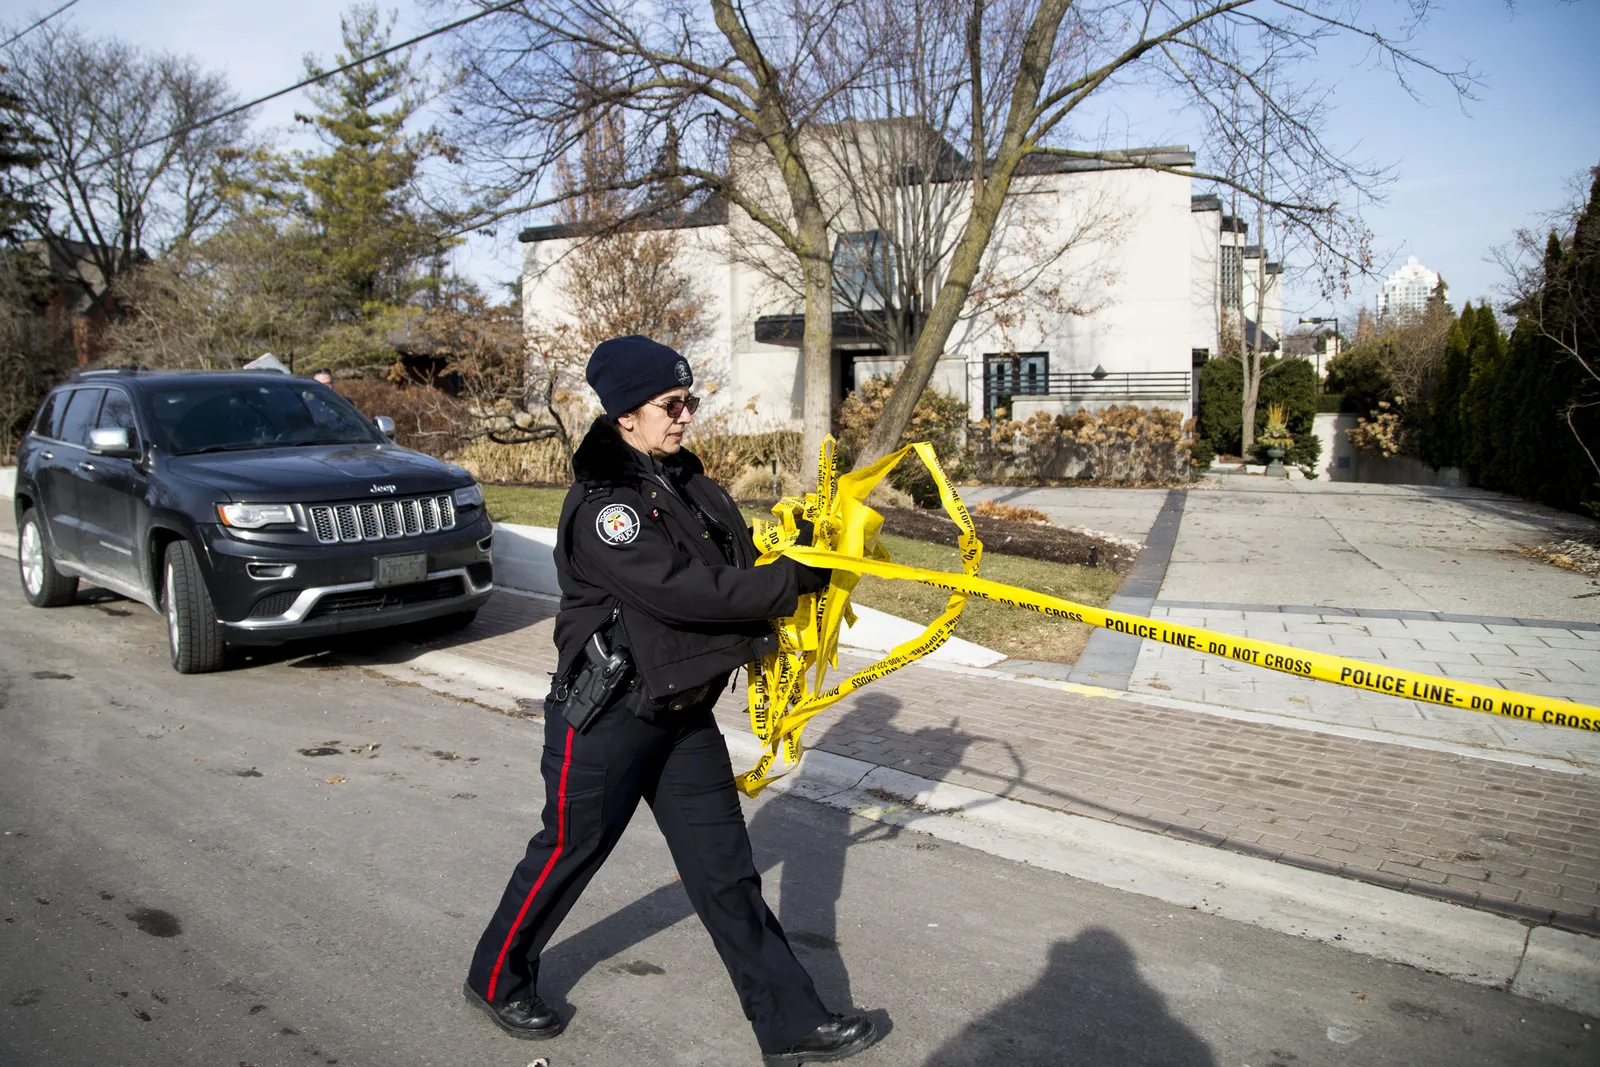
column 36, row 25
column 219, row 116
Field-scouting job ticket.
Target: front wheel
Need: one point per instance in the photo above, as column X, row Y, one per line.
column 194, row 636
column 42, row 584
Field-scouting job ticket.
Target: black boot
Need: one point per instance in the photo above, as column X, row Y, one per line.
column 531, row 1019
column 839, row 1038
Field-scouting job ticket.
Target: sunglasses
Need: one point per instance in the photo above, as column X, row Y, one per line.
column 674, row 405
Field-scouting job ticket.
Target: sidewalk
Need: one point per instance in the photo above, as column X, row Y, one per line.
column 1426, row 579
column 1506, row 838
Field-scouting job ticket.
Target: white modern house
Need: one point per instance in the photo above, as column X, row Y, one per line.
column 1141, row 274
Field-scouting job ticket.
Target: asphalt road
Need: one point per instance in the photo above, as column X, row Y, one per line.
column 180, row 883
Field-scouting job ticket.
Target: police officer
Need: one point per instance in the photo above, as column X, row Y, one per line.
column 656, row 571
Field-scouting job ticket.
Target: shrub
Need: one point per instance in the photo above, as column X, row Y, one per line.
column 1292, row 383
column 1201, row 454
column 1358, row 378
column 1011, row 512
column 731, row 442
column 1304, row 453
column 1118, row 444
column 1384, row 432
column 1330, row 403
column 939, row 419
column 755, row 484
column 543, row 462
column 423, row 416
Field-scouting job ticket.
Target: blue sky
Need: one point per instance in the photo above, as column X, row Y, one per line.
column 1468, row 174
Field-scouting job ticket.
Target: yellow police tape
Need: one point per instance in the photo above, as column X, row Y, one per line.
column 786, row 687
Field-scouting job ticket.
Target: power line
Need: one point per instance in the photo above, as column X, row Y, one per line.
column 36, row 25
column 219, row 116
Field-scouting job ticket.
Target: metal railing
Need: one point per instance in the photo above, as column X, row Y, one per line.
column 1121, row 385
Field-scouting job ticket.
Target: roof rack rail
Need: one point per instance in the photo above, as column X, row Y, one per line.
column 112, row 372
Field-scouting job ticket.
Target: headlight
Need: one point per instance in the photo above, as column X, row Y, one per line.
column 469, row 496
column 255, row 516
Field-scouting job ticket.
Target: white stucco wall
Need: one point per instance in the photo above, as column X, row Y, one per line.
column 1141, row 284
column 1205, row 230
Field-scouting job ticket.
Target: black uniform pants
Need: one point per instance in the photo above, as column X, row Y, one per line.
column 593, row 784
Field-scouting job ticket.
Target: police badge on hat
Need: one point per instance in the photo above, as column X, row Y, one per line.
column 617, row 524
column 685, row 376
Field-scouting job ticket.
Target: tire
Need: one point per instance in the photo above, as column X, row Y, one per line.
column 194, row 636
column 42, row 584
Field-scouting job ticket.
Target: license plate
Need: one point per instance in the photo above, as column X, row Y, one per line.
column 402, row 570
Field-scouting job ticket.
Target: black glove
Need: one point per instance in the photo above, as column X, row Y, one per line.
column 808, row 531
column 809, row 579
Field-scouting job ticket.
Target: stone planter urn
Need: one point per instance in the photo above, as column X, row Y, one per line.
column 1275, row 469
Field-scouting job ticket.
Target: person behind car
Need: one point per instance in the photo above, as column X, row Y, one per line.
column 657, row 574
column 323, row 376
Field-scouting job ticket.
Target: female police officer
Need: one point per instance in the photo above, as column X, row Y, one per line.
column 659, row 590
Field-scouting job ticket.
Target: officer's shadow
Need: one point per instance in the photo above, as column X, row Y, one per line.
column 1089, row 1005
column 815, row 841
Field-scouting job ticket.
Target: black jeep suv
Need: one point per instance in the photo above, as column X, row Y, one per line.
column 250, row 508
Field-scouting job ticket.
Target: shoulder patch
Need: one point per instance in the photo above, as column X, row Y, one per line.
column 617, row 524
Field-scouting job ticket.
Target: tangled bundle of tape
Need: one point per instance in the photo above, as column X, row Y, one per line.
column 786, row 688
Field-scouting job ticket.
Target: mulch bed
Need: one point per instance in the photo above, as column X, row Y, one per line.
column 1032, row 540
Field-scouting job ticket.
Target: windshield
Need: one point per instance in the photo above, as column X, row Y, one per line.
column 232, row 415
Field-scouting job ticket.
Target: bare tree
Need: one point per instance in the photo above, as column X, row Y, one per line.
column 897, row 191
column 216, row 303
column 523, row 380
column 723, row 97
column 715, row 98
column 112, row 197
column 1206, row 55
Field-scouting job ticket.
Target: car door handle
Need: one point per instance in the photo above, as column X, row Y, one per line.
column 49, row 455
column 86, row 466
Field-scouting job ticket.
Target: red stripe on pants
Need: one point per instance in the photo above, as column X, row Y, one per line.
column 561, row 838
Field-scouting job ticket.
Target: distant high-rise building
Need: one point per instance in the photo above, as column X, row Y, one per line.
column 1406, row 291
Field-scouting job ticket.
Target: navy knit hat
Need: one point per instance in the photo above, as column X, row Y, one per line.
column 627, row 371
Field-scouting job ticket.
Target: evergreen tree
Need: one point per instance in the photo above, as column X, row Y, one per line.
column 374, row 245
column 19, row 151
column 1440, row 432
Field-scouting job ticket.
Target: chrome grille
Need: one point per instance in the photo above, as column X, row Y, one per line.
column 381, row 520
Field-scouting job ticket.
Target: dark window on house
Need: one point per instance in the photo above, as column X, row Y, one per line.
column 861, row 267
column 1013, row 374
column 82, row 411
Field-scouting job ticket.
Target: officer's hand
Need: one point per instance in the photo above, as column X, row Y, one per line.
column 809, row 579
column 808, row 532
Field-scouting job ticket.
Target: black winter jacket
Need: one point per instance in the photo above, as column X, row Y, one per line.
column 669, row 546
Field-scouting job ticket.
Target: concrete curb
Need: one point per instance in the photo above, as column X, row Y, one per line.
column 1540, row 963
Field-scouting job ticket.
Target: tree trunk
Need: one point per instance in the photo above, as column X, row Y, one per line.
column 1249, row 395
column 816, row 345
column 989, row 194
column 964, row 263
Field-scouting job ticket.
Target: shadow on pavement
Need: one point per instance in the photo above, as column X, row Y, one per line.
column 809, row 891
column 1090, row 1006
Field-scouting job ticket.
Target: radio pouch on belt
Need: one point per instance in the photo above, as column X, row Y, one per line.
column 602, row 676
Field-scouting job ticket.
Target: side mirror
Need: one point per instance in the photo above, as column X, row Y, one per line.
column 384, row 424
column 113, row 441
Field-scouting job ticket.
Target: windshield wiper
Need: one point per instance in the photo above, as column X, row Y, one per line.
column 219, row 448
